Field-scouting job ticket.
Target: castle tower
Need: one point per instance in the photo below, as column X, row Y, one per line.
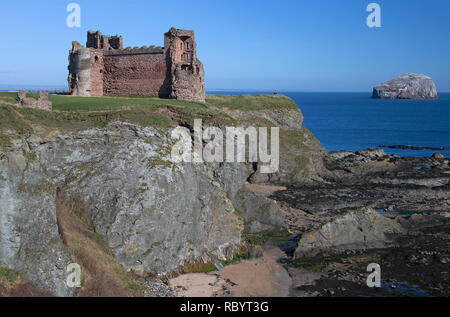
column 188, row 78
column 96, row 40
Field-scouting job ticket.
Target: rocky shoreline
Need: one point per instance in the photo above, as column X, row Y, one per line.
column 372, row 178
column 413, row 192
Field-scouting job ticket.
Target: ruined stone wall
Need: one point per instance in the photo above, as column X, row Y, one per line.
column 80, row 71
column 188, row 84
column 96, row 73
column 93, row 39
column 43, row 103
column 116, row 42
column 135, row 74
column 187, row 72
column 105, row 68
column 96, row 40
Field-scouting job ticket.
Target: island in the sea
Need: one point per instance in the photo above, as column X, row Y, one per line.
column 407, row 86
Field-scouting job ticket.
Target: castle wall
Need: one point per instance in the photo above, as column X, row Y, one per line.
column 96, row 74
column 105, row 68
column 135, row 74
column 188, row 83
column 80, row 72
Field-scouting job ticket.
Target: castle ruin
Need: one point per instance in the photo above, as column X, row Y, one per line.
column 104, row 67
column 42, row 103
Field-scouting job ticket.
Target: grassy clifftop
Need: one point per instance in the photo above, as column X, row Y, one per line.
column 252, row 102
column 86, row 112
column 243, row 102
column 300, row 152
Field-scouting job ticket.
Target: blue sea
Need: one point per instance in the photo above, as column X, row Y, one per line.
column 354, row 121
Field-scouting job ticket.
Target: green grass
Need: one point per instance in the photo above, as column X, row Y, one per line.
column 8, row 97
column 9, row 275
column 69, row 103
column 236, row 259
column 295, row 138
column 198, row 267
column 140, row 110
column 251, row 102
column 244, row 102
column 209, row 268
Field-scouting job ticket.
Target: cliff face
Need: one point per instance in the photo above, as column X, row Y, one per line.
column 155, row 216
column 407, row 86
column 30, row 242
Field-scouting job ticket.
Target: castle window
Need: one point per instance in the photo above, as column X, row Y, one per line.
column 188, row 56
column 181, row 45
column 187, row 68
column 187, row 45
column 96, row 58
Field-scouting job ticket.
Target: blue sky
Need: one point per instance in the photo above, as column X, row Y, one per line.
column 290, row 45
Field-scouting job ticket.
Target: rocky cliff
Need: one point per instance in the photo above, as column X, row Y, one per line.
column 100, row 188
column 407, row 86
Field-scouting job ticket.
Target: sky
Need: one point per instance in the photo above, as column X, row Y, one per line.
column 266, row 45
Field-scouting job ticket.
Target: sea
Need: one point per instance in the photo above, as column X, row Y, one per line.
column 355, row 121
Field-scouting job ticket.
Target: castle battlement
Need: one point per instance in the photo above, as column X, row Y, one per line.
column 136, row 50
column 104, row 67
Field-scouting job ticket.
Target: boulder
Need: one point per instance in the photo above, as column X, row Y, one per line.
column 340, row 155
column 363, row 228
column 438, row 156
column 372, row 154
column 407, row 86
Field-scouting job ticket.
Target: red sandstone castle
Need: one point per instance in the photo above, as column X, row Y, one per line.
column 104, row 67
